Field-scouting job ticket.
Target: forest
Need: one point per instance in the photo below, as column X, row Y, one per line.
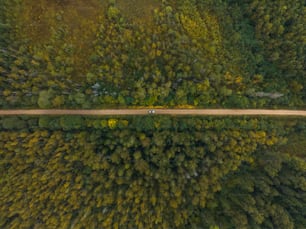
column 152, row 171
column 199, row 53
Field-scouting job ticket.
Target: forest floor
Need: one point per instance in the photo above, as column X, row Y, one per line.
column 215, row 112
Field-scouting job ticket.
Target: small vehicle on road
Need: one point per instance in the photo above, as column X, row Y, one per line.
column 151, row 111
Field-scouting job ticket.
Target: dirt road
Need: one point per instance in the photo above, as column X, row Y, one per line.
column 214, row 112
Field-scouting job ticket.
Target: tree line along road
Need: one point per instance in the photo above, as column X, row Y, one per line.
column 103, row 112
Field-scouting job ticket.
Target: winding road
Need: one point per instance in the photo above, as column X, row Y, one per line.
column 103, row 112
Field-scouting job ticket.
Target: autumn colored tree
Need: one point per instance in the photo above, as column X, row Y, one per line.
column 152, row 173
column 183, row 53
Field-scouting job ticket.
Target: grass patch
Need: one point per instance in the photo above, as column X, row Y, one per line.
column 296, row 145
column 139, row 11
column 59, row 24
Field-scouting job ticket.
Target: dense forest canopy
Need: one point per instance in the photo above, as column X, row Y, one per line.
column 90, row 53
column 152, row 171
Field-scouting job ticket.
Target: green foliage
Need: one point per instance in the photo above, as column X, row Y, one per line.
column 154, row 172
column 280, row 26
column 257, row 196
column 151, row 171
column 44, row 99
column 71, row 122
column 13, row 123
column 198, row 53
